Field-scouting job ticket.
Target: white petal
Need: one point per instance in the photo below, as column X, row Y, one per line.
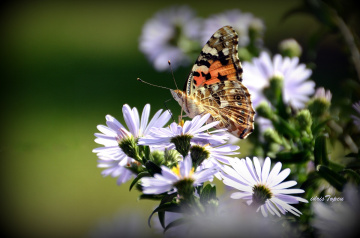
column 281, row 176
column 274, row 172
column 287, row 184
column 257, row 168
column 266, row 169
column 144, row 119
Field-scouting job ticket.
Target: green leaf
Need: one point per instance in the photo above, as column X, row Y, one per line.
column 293, row 157
column 140, row 175
column 319, row 127
column 166, row 207
column 177, row 222
column 167, row 198
column 352, row 175
column 151, row 197
column 152, row 168
column 335, row 179
column 284, row 127
column 208, row 193
column 320, row 152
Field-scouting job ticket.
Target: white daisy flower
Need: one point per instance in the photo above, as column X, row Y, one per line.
column 261, row 187
column 193, row 130
column 356, row 119
column 296, row 88
column 111, row 156
column 240, row 21
column 173, row 180
column 170, row 35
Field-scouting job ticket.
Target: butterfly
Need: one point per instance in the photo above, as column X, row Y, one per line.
column 214, row 86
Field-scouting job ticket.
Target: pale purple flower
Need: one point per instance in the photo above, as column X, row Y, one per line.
column 296, row 88
column 356, row 119
column 240, row 21
column 111, row 157
column 262, row 187
column 166, row 181
column 170, row 35
column 323, row 94
column 195, row 128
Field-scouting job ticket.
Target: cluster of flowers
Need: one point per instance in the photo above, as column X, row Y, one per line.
column 177, row 34
column 177, row 160
column 293, row 123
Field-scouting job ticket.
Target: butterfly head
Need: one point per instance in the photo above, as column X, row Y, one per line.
column 178, row 95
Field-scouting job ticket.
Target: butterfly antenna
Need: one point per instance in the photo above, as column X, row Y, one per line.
column 142, row 81
column 172, row 73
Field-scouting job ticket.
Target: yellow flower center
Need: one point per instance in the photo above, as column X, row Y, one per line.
column 176, row 170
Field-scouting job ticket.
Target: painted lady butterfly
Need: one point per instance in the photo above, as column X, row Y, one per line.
column 214, row 86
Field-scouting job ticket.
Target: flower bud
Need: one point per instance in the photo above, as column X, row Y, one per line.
column 290, row 48
column 274, row 91
column 270, row 135
column 257, row 26
column 264, row 110
column 157, row 157
column 171, row 157
column 304, row 120
column 320, row 103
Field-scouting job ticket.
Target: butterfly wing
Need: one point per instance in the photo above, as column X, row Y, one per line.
column 215, row 83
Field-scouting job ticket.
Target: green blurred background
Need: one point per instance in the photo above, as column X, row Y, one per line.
column 65, row 66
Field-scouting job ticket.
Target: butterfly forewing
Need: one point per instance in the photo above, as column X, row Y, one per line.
column 214, row 85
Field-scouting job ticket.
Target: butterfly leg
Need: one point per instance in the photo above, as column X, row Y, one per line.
column 169, row 109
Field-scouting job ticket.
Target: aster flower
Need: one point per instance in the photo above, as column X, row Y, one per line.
column 181, row 178
column 180, row 137
column 261, row 187
column 170, row 35
column 296, row 88
column 321, row 93
column 340, row 219
column 356, row 119
column 240, row 21
column 116, row 138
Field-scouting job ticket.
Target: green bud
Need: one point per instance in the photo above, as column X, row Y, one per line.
column 271, row 135
column 264, row 110
column 135, row 167
column 290, row 48
column 304, row 120
column 157, row 157
column 274, row 91
column 318, row 106
column 171, row 158
column 129, row 147
column 198, row 155
column 256, row 27
column 182, row 144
